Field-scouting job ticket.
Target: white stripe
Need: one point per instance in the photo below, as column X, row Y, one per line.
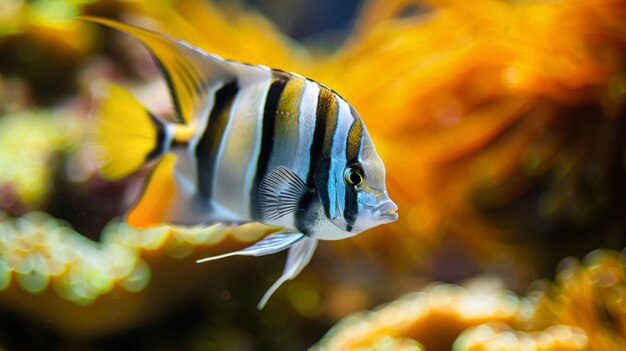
column 306, row 128
column 293, row 152
column 236, row 164
column 336, row 191
column 169, row 136
column 298, row 158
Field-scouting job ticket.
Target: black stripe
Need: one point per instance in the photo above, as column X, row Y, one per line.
column 354, row 143
column 170, row 83
column 325, row 125
column 159, row 145
column 208, row 146
column 267, row 138
column 317, row 144
column 306, row 217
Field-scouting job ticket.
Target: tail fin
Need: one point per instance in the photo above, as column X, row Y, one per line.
column 125, row 134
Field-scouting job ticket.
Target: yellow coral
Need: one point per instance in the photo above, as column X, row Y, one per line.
column 44, row 256
column 28, row 141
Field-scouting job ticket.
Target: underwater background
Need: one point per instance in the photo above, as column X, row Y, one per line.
column 502, row 125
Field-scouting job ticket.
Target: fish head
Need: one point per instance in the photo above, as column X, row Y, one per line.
column 357, row 198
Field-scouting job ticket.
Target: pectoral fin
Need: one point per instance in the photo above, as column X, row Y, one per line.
column 299, row 256
column 280, row 192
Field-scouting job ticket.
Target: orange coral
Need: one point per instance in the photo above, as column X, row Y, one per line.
column 431, row 318
column 589, row 296
column 474, row 94
column 583, row 310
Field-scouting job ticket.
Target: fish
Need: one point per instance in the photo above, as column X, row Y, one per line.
column 247, row 143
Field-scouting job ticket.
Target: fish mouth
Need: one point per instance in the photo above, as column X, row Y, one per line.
column 386, row 211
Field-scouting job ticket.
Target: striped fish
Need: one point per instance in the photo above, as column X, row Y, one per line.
column 248, row 143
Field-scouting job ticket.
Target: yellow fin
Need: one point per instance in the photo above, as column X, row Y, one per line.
column 124, row 133
column 189, row 73
column 157, row 198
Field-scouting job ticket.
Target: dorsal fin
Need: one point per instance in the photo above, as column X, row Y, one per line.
column 190, row 72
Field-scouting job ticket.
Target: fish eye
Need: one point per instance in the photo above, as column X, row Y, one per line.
column 353, row 177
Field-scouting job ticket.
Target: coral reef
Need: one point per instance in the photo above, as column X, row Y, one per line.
column 431, row 318
column 500, row 123
column 45, row 257
column 582, row 310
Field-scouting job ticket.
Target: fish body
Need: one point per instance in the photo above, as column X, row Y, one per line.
column 249, row 144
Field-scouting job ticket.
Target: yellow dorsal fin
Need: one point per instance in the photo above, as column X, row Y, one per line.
column 124, row 133
column 158, row 196
column 190, row 73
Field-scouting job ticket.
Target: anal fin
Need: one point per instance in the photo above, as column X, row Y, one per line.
column 272, row 243
column 158, row 196
column 299, row 256
column 301, row 249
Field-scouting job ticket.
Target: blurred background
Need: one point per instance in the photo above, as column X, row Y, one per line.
column 501, row 124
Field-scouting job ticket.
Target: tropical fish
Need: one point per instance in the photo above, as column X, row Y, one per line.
column 248, row 144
